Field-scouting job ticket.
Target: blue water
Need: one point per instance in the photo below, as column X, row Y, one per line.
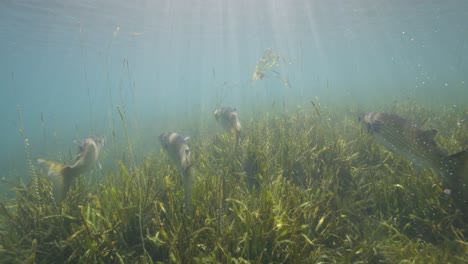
column 67, row 65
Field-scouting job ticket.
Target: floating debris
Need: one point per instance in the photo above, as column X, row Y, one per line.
column 116, row 32
column 267, row 62
column 315, row 107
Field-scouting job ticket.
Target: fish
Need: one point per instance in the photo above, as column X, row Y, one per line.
column 229, row 120
column 63, row 176
column 177, row 149
column 179, row 152
column 408, row 140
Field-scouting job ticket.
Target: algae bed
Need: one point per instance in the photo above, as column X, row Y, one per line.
column 300, row 188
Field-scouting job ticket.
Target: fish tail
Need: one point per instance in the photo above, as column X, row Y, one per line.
column 238, row 139
column 458, row 180
column 61, row 175
column 188, row 175
column 54, row 169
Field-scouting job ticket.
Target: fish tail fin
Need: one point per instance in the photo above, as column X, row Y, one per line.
column 458, row 180
column 54, row 169
column 188, row 175
column 238, row 139
column 61, row 175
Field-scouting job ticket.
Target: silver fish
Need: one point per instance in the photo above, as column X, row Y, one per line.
column 229, row 120
column 406, row 139
column 178, row 151
column 63, row 176
column 419, row 146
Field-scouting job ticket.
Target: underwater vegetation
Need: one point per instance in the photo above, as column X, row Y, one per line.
column 407, row 139
column 299, row 188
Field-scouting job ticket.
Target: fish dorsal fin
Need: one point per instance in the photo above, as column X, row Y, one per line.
column 430, row 133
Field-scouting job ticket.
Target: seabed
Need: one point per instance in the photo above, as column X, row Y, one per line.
column 300, row 188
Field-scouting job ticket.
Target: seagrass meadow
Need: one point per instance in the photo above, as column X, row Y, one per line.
column 303, row 186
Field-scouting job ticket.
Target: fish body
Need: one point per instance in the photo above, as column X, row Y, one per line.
column 405, row 138
column 63, row 175
column 228, row 118
column 419, row 146
column 178, row 151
